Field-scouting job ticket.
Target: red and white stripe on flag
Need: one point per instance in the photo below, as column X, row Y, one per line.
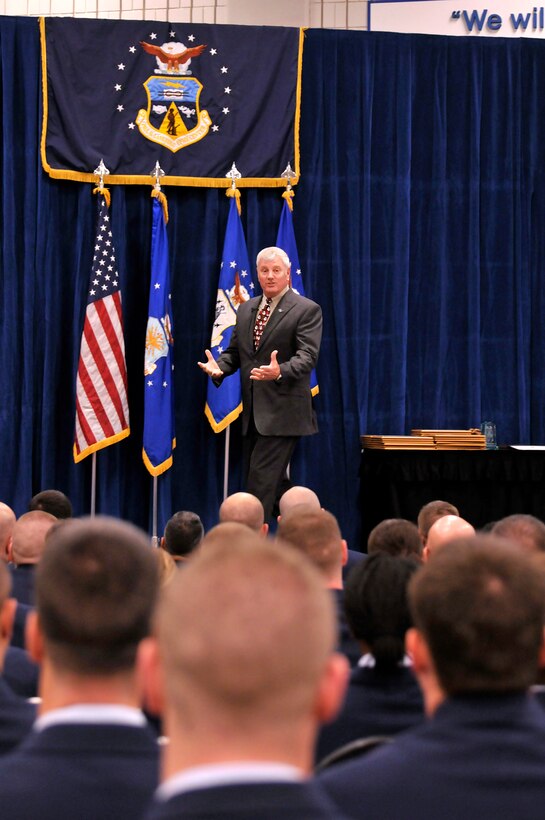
column 102, row 413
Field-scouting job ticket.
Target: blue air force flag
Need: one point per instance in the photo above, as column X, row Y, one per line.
column 286, row 240
column 224, row 403
column 192, row 96
column 159, row 436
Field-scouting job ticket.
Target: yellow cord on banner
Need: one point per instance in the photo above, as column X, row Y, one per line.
column 236, row 193
column 105, row 193
column 157, row 194
column 288, row 196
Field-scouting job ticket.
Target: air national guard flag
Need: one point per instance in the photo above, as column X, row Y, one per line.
column 191, row 96
column 102, row 412
column 286, row 240
column 224, row 403
column 159, row 436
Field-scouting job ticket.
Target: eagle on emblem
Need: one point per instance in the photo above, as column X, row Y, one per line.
column 173, row 55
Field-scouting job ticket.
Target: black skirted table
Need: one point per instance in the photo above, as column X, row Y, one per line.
column 485, row 485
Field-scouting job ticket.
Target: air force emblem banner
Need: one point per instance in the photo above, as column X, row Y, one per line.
column 194, row 97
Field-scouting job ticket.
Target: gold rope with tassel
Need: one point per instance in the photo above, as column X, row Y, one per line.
column 288, row 196
column 236, row 193
column 157, row 194
column 105, row 193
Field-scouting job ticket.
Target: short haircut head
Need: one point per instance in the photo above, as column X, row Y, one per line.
column 243, row 508
column 267, row 254
column 395, row 536
column 245, row 630
column 95, row 589
column 183, row 533
column 28, row 536
column 376, row 605
column 53, row 502
column 526, row 531
column 480, row 605
column 298, row 495
column 7, row 522
column 229, row 532
column 315, row 533
column 445, row 529
column 429, row 514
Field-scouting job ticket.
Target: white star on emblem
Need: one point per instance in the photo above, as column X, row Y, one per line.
column 172, row 34
column 251, row 285
column 227, row 90
column 120, row 108
column 244, row 273
column 232, row 264
column 298, row 271
column 121, row 67
column 213, row 51
column 131, row 125
column 157, row 286
column 150, row 383
column 225, row 110
column 191, row 38
column 132, row 49
column 224, row 69
column 106, row 218
column 215, row 128
column 220, row 349
column 114, row 283
column 153, row 36
column 117, row 87
column 165, row 384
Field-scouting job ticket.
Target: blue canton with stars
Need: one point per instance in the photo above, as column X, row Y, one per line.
column 104, row 276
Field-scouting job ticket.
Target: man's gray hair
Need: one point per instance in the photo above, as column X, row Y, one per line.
column 270, row 253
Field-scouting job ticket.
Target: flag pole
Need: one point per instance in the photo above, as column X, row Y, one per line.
column 154, row 539
column 93, row 484
column 226, row 462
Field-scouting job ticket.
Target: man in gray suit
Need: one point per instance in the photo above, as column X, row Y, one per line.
column 275, row 346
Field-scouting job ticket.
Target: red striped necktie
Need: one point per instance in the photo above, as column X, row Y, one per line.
column 261, row 321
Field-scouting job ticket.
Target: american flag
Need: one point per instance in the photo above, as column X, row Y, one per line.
column 102, row 413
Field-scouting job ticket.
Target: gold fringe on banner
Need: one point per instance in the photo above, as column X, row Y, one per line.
column 236, row 193
column 156, row 194
column 105, row 193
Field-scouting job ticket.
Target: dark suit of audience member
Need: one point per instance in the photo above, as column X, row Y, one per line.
column 22, row 589
column 90, row 754
column 383, row 697
column 479, row 609
column 19, row 624
column 347, row 644
column 16, row 718
column 250, row 801
column 244, row 684
column 16, row 715
column 20, row 672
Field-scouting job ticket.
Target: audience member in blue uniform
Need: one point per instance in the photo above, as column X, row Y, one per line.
column 90, row 753
column 316, row 533
column 184, row 532
column 244, row 670
column 16, row 715
column 383, row 696
column 25, row 551
column 479, row 610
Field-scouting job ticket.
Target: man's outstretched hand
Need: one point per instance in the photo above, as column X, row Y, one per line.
column 210, row 367
column 267, row 372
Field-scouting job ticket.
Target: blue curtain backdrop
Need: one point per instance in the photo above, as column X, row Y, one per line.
column 420, row 222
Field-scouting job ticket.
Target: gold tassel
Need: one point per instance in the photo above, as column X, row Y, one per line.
column 163, row 200
column 105, row 193
column 236, row 193
column 288, row 196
